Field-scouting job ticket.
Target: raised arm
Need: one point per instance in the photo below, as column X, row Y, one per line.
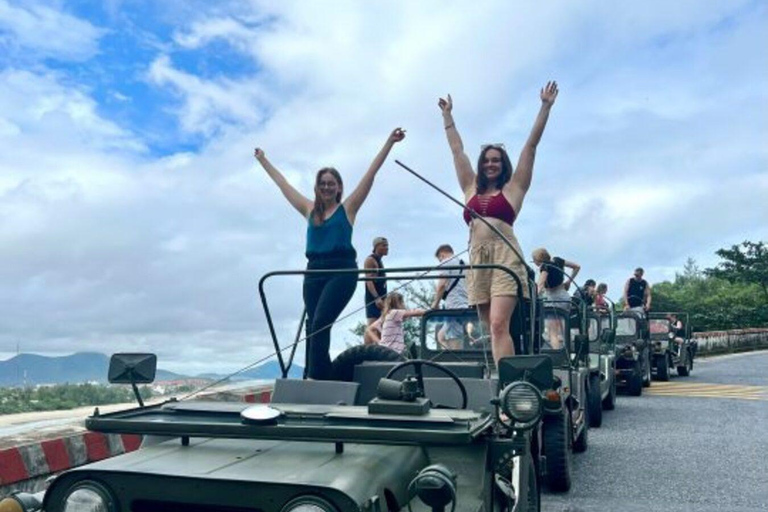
column 461, row 162
column 298, row 201
column 573, row 266
column 521, row 180
column 355, row 200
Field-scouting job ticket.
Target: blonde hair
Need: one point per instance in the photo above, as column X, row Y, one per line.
column 541, row 254
column 394, row 300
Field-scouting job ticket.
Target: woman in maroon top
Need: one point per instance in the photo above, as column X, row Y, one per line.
column 496, row 193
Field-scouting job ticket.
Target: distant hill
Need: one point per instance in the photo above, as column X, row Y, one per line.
column 267, row 371
column 33, row 369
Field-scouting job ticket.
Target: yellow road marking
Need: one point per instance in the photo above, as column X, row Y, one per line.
column 705, row 390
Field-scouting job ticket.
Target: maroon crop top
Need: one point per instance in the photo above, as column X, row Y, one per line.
column 495, row 206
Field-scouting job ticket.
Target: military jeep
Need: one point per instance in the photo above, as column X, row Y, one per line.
column 602, row 366
column 633, row 358
column 565, row 426
column 320, row 446
column 670, row 349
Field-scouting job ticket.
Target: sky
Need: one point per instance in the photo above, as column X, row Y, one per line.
column 133, row 216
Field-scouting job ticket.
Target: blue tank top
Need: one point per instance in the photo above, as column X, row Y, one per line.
column 332, row 238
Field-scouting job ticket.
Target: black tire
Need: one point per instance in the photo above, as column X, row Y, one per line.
column 635, row 383
column 557, row 448
column 581, row 443
column 647, row 373
column 609, row 403
column 594, row 402
column 685, row 370
column 662, row 368
column 343, row 367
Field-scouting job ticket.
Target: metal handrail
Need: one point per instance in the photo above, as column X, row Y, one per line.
column 390, row 270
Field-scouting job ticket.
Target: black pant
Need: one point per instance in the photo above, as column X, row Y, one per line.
column 325, row 297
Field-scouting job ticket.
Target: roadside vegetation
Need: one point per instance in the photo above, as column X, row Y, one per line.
column 731, row 295
column 64, row 396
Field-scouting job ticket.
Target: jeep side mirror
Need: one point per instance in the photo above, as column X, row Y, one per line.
column 132, row 369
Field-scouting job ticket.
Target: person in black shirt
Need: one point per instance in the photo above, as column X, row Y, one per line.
column 376, row 290
column 678, row 329
column 587, row 292
column 637, row 293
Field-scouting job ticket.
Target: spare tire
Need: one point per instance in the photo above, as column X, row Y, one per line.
column 343, row 367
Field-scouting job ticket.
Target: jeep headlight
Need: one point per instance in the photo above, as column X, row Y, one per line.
column 521, row 401
column 308, row 504
column 89, row 496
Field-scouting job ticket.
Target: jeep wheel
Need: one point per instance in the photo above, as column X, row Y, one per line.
column 594, row 403
column 647, row 373
column 685, row 370
column 635, row 383
column 609, row 403
column 581, row 443
column 343, row 367
column 662, row 368
column 557, row 448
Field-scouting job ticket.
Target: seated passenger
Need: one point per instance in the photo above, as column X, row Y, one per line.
column 676, row 328
column 388, row 329
column 600, row 303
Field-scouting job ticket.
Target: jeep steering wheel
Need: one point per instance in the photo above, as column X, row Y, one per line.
column 417, row 365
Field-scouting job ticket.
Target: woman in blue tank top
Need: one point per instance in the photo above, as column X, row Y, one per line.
column 329, row 246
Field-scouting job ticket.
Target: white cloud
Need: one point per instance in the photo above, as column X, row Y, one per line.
column 47, row 32
column 654, row 153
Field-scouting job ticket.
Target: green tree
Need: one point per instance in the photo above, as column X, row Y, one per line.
column 745, row 263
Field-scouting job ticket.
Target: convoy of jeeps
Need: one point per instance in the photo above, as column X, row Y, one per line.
column 440, row 428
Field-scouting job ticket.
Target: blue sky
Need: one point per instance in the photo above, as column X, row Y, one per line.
column 132, row 215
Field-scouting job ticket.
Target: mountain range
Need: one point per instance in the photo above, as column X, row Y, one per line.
column 33, row 369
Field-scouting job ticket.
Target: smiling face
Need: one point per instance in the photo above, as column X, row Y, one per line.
column 492, row 164
column 328, row 187
column 494, row 169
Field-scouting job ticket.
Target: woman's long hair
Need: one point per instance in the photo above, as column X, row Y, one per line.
column 393, row 300
column 318, row 211
column 506, row 170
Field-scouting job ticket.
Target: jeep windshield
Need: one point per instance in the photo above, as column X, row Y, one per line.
column 626, row 326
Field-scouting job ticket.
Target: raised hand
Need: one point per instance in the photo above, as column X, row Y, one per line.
column 446, row 105
column 258, row 154
column 397, row 135
column 549, row 93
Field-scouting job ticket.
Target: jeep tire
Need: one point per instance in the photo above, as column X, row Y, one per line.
column 609, row 403
column 343, row 367
column 647, row 372
column 557, row 448
column 662, row 368
column 635, row 382
column 685, row 369
column 594, row 401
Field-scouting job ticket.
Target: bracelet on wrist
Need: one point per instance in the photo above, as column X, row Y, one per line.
column 450, row 126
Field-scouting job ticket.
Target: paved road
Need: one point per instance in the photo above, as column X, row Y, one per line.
column 698, row 443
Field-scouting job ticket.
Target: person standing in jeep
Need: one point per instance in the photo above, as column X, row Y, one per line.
column 451, row 289
column 375, row 290
column 637, row 293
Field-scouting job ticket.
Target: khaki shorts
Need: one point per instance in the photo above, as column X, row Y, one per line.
column 482, row 284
